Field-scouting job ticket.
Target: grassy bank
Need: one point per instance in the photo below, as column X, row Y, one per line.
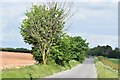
column 35, row 71
column 107, row 62
column 103, row 71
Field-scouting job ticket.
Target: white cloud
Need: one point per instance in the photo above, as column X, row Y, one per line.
column 95, row 40
column 84, row 14
column 89, row 10
column 103, row 40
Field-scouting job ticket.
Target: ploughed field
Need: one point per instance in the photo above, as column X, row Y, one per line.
column 15, row 59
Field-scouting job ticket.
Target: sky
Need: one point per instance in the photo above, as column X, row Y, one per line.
column 94, row 20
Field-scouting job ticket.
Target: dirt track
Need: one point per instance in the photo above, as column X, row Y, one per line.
column 15, row 59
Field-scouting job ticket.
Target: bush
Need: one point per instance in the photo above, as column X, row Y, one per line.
column 69, row 48
column 36, row 54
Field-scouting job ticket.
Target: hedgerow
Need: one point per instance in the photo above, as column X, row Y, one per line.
column 16, row 50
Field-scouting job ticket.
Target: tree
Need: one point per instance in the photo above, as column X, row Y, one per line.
column 44, row 23
column 115, row 53
column 61, row 51
column 105, row 51
column 79, row 48
column 69, row 48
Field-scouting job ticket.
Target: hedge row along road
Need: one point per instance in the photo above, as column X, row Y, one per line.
column 85, row 70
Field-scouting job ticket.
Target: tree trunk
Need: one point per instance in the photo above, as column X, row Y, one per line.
column 44, row 58
column 45, row 53
column 45, row 62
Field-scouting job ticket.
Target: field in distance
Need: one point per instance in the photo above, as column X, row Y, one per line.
column 15, row 59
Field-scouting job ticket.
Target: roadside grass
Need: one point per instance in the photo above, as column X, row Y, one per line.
column 103, row 71
column 108, row 63
column 0, row 75
column 35, row 71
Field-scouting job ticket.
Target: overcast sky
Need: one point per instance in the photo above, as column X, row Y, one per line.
column 96, row 21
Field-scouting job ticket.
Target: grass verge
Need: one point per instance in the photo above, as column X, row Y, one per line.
column 108, row 63
column 103, row 71
column 35, row 71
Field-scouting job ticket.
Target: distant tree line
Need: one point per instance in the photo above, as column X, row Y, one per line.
column 16, row 50
column 105, row 51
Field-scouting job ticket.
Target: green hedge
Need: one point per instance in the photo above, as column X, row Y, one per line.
column 16, row 50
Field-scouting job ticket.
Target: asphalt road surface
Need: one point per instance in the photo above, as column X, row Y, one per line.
column 85, row 70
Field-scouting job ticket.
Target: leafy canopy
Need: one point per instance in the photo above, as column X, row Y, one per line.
column 44, row 23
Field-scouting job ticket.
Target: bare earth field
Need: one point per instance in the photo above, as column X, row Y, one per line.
column 15, row 59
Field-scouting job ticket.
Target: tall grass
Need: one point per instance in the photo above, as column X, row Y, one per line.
column 105, row 61
column 35, row 71
column 102, row 72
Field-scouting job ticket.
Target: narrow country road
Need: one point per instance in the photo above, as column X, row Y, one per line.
column 85, row 70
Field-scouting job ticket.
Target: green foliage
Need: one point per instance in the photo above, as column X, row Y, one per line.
column 78, row 48
column 61, row 51
column 15, row 50
column 37, row 54
column 69, row 48
column 44, row 23
column 115, row 53
column 43, row 30
column 105, row 51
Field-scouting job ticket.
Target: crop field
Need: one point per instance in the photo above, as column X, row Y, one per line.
column 115, row 61
column 15, row 59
